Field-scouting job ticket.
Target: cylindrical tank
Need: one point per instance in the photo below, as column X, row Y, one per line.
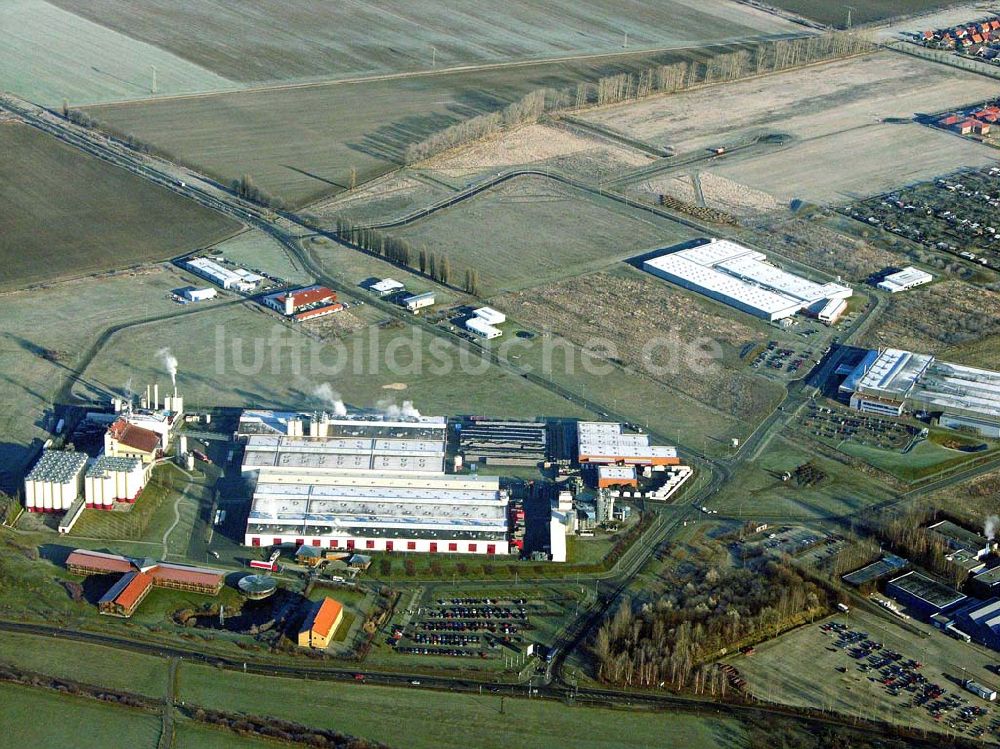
column 458, row 462
column 47, row 495
column 208, row 418
column 190, row 462
column 29, row 495
column 107, row 492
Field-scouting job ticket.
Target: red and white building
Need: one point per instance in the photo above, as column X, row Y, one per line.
column 306, row 303
column 370, row 483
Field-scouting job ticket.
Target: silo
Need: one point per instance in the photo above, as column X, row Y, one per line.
column 30, row 487
column 107, row 491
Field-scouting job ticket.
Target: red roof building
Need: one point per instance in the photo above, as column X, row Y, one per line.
column 129, row 439
column 126, row 595
column 86, row 562
column 294, row 301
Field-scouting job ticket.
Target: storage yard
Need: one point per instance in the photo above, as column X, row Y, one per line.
column 69, row 214
column 850, row 674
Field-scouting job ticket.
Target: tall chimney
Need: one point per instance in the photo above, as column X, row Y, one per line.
column 156, row 396
column 147, row 396
column 289, row 303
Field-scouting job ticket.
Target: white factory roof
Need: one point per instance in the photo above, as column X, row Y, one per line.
column 480, row 325
column 225, row 277
column 734, row 273
column 58, row 465
column 905, row 279
column 954, row 386
column 623, row 473
column 338, row 453
column 387, row 286
column 490, row 315
column 262, row 421
column 607, row 440
column 892, row 373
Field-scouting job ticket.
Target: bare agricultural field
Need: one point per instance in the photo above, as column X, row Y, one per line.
column 312, row 38
column 552, row 144
column 301, row 142
column 64, row 213
column 498, row 232
column 938, row 318
column 39, row 352
column 629, row 309
column 859, row 162
column 385, row 198
column 714, row 191
column 835, row 14
column 836, row 114
column 49, row 55
column 243, row 356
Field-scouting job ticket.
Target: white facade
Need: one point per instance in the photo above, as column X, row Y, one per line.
column 481, row 328
column 831, row 311
column 110, row 479
column 55, row 481
column 741, row 277
column 419, row 301
column 200, row 295
column 558, row 524
column 367, row 483
column 490, row 315
column 387, row 286
column 905, row 279
column 238, row 279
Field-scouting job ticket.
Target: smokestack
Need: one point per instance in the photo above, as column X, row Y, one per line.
column 156, row 396
column 289, row 303
column 146, row 404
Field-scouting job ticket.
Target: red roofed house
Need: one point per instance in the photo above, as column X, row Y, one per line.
column 321, row 624
column 125, row 595
column 124, row 440
column 983, row 128
column 951, row 119
column 995, row 24
column 85, row 562
column 305, row 303
column 928, row 35
column 965, row 126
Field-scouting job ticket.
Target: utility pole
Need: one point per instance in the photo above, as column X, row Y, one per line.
column 626, row 40
column 433, row 56
column 153, row 68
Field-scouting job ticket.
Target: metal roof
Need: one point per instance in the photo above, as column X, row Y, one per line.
column 59, row 466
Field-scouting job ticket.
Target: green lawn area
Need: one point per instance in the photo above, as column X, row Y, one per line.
column 131, row 524
column 86, row 663
column 925, row 459
column 39, row 718
column 437, row 720
column 191, row 735
column 257, row 251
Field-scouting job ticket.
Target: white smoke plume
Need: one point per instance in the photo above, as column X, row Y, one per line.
column 991, row 526
column 127, row 391
column 330, row 398
column 170, row 363
column 406, row 412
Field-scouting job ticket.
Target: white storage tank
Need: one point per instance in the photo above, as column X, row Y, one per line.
column 55, row 481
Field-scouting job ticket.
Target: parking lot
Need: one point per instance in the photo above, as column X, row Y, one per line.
column 783, row 358
column 865, row 664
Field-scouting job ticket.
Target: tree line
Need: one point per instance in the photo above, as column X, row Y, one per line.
column 435, row 265
column 699, row 612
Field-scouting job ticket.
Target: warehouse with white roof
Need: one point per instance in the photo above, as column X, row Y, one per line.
column 366, row 483
column 903, row 280
column 891, row 381
column 742, row 278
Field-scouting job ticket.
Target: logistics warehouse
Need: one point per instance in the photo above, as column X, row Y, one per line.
column 366, row 482
column 742, row 278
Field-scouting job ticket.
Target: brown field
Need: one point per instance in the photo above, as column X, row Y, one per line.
column 593, row 307
column 872, row 11
column 938, row 318
column 63, row 213
column 835, row 115
column 313, row 38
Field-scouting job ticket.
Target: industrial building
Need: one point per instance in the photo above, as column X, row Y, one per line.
column 111, row 479
column 904, row 280
column 922, row 594
column 958, row 538
column 139, row 577
column 127, row 440
column 484, row 321
column 609, row 476
column 888, row 565
column 607, row 443
column 306, row 303
column 387, row 287
column 199, row 295
column 987, row 583
column 321, row 624
column 977, row 620
column 416, row 302
column 503, row 443
column 55, row 481
column 890, row 381
column 366, row 482
column 742, row 278
column 238, row 279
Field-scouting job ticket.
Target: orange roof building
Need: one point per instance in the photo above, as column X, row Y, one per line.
column 125, row 440
column 125, row 595
column 321, row 624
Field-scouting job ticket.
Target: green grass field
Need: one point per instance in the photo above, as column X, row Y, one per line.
column 38, row 718
column 255, row 250
column 68, row 214
column 316, row 38
column 497, row 232
column 219, row 367
column 924, row 460
column 190, row 735
column 38, row 353
column 86, row 663
column 439, row 719
column 49, row 55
